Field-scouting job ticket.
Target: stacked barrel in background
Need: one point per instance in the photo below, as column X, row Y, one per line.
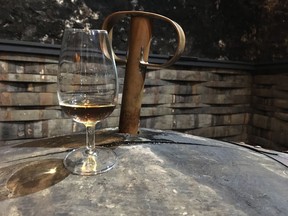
column 28, row 100
column 217, row 102
column 204, row 101
column 209, row 102
column 269, row 119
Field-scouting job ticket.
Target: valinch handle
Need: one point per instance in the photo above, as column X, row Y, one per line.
column 140, row 34
column 112, row 20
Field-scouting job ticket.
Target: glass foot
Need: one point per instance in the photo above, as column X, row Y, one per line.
column 79, row 162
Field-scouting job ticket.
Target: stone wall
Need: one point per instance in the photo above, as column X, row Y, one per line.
column 251, row 30
column 218, row 101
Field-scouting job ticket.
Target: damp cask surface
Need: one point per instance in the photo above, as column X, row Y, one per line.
column 158, row 172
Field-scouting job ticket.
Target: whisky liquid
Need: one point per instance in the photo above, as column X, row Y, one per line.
column 87, row 114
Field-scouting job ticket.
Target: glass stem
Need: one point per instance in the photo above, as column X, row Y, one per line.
column 90, row 138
